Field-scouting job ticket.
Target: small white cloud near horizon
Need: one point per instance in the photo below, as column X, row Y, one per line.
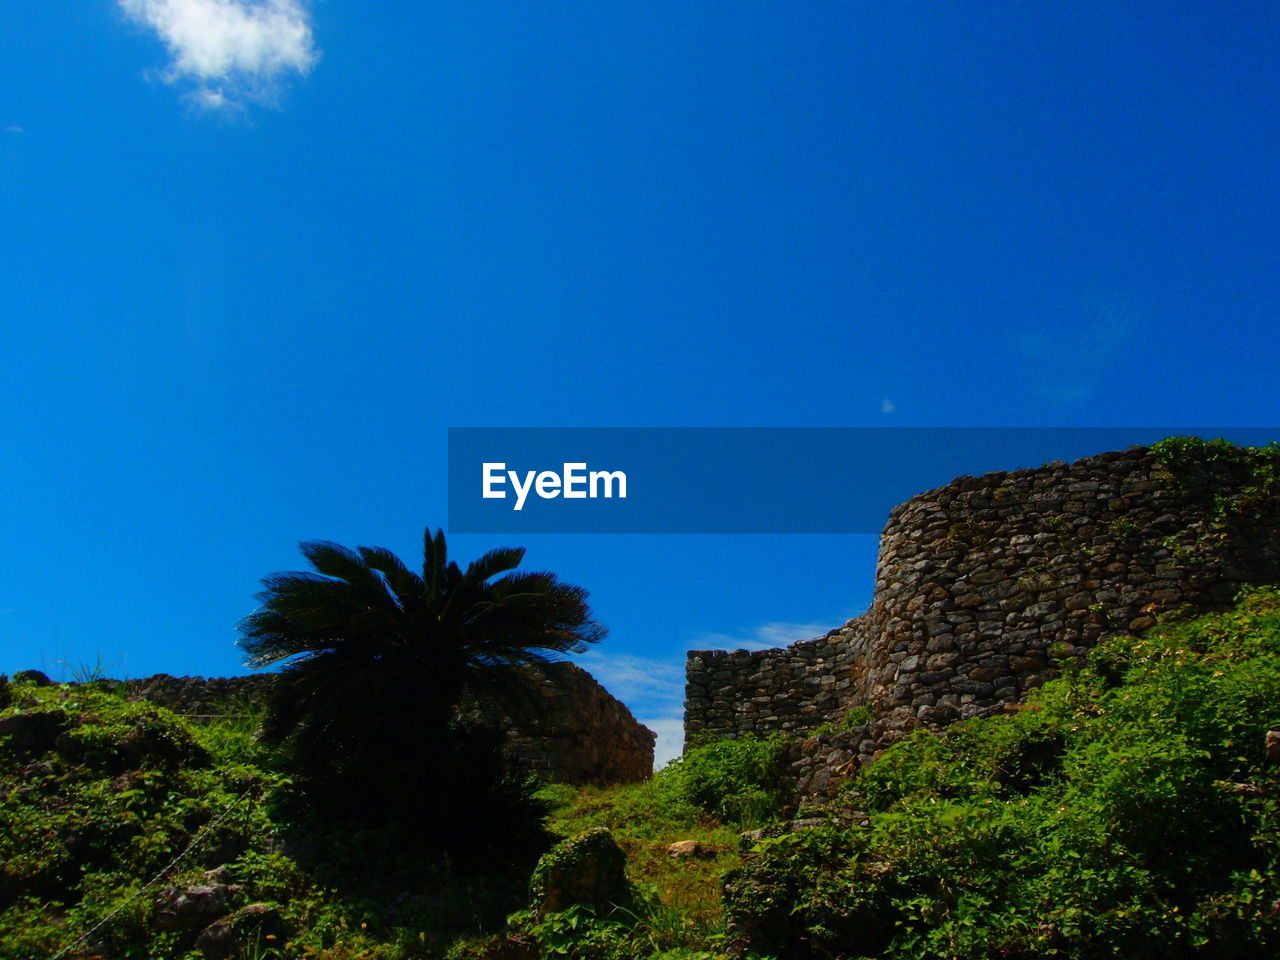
column 630, row 678
column 229, row 53
column 886, row 406
column 670, row 742
column 652, row 689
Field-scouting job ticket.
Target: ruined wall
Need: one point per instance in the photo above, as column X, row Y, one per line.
column 983, row 588
column 584, row 734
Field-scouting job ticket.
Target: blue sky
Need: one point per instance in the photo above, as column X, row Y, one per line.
column 258, row 257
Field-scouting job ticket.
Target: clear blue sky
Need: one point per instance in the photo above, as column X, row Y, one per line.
column 256, row 259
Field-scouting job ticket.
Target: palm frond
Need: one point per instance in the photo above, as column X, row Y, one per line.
column 374, row 654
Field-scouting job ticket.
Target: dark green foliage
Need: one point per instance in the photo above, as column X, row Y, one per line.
column 84, row 825
column 588, row 870
column 1199, row 467
column 1129, row 811
column 741, row 782
column 88, row 814
column 376, row 658
column 376, row 655
column 467, row 802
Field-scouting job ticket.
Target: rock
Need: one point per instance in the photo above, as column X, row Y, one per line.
column 191, row 908
column 220, row 874
column 256, row 925
column 38, row 677
column 589, row 869
column 682, row 849
column 809, row 823
column 34, row 731
column 1273, row 747
column 217, row 940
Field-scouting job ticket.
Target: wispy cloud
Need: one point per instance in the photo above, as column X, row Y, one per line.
column 630, row 677
column 13, row 128
column 228, row 53
column 887, row 406
column 763, row 637
column 651, row 687
column 670, row 743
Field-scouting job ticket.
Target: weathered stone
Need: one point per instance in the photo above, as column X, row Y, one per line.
column 588, row 869
column 1273, row 747
column 1052, row 576
column 258, row 926
column 683, row 849
column 38, row 677
column 192, row 908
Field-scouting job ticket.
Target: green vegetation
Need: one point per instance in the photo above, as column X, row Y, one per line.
column 376, row 659
column 1193, row 462
column 372, row 650
column 99, row 796
column 1128, row 811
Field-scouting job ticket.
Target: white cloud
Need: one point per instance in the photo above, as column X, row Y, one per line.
column 763, row 637
column 886, row 406
column 670, row 731
column 13, row 128
column 653, row 689
column 229, row 52
column 631, row 678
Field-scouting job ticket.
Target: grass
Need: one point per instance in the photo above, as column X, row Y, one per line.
column 1129, row 810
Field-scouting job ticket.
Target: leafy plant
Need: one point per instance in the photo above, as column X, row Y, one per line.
column 1129, row 812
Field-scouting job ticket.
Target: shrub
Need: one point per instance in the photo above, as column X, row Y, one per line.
column 741, row 781
column 1130, row 812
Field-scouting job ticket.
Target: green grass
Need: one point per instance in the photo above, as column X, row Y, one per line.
column 87, row 822
column 1128, row 811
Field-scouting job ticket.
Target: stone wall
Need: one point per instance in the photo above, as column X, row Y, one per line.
column 984, row 587
column 584, row 734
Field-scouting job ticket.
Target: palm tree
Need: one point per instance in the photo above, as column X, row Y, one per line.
column 376, row 657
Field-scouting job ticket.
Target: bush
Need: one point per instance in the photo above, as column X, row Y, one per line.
column 741, row 782
column 1129, row 811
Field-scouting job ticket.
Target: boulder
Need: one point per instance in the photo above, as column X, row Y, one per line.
column 588, row 870
column 192, row 908
column 39, row 678
column 255, row 926
column 684, row 849
column 34, row 731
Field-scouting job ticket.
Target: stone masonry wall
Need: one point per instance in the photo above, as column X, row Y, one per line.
column 984, row 587
column 585, row 735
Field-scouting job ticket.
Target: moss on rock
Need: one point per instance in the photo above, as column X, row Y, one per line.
column 588, row 870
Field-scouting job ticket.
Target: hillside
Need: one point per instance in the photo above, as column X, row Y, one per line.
column 1130, row 809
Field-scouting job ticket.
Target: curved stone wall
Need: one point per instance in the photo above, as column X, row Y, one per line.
column 983, row 588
